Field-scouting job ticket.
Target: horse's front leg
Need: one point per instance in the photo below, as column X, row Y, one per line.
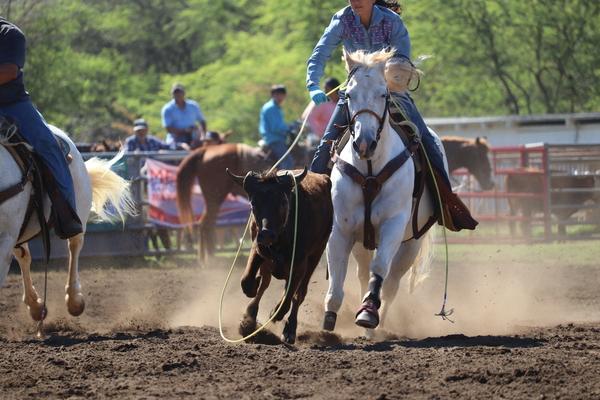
column 391, row 235
column 338, row 252
column 73, row 296
column 32, row 300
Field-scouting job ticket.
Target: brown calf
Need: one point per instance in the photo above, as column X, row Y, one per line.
column 273, row 210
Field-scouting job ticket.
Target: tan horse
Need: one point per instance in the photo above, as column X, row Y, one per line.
column 207, row 165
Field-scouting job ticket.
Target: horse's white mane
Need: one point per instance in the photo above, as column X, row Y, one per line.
column 369, row 60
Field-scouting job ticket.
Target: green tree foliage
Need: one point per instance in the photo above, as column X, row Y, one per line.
column 94, row 65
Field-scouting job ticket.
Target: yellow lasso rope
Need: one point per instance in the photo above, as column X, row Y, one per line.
column 237, row 254
column 443, row 313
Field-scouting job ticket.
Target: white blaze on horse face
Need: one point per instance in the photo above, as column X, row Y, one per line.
column 367, row 90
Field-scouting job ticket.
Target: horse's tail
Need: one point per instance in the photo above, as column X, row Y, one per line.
column 109, row 188
column 186, row 175
column 421, row 267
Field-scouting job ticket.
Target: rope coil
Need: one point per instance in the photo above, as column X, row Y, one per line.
column 444, row 314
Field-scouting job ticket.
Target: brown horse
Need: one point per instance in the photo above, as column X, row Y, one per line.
column 471, row 154
column 207, row 164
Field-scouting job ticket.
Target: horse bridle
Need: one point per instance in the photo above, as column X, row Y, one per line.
column 380, row 119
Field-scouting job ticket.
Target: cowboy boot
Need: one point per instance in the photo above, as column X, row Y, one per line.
column 66, row 221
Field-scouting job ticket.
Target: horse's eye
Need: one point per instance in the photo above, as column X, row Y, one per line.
column 384, row 96
column 347, row 96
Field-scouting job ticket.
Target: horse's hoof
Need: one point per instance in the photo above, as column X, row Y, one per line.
column 75, row 304
column 368, row 315
column 38, row 313
column 329, row 321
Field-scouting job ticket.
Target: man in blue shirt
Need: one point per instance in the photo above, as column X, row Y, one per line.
column 15, row 104
column 183, row 120
column 141, row 141
column 272, row 127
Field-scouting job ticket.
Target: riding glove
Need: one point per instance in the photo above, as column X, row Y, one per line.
column 317, row 95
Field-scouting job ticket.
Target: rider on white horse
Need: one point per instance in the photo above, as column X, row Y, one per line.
column 368, row 25
column 16, row 104
column 371, row 26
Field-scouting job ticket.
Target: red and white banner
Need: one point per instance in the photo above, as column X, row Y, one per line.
column 162, row 197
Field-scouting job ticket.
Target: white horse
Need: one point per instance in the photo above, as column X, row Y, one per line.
column 367, row 94
column 95, row 185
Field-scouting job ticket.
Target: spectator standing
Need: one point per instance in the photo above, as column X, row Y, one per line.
column 183, row 120
column 142, row 141
column 272, row 127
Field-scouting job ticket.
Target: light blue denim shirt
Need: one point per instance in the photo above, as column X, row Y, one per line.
column 386, row 30
column 272, row 126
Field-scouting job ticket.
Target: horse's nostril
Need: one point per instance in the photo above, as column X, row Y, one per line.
column 373, row 146
column 355, row 146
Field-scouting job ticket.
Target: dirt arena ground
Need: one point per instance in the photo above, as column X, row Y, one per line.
column 527, row 325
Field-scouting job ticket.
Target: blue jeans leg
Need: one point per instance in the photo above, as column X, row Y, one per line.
column 278, row 149
column 433, row 151
column 322, row 155
column 36, row 132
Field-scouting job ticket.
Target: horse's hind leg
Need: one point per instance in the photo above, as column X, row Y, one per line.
column 74, row 297
column 402, row 262
column 32, row 300
column 363, row 259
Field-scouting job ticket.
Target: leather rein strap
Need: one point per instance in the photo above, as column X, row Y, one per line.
column 17, row 188
column 371, row 186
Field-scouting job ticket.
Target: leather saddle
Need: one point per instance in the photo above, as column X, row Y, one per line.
column 33, row 171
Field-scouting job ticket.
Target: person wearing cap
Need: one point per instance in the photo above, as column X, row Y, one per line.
column 183, row 120
column 16, row 104
column 272, row 127
column 141, row 141
column 212, row 138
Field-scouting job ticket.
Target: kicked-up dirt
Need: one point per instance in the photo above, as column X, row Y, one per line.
column 529, row 331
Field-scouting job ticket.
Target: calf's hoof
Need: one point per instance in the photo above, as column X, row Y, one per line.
column 248, row 325
column 329, row 321
column 289, row 333
column 368, row 315
column 250, row 286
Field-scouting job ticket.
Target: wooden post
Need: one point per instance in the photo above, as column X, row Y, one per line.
column 547, row 191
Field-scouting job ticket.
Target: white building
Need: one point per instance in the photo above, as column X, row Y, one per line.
column 516, row 130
